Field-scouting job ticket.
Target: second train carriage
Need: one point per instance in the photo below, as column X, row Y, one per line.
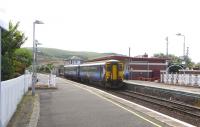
column 108, row 73
column 71, row 72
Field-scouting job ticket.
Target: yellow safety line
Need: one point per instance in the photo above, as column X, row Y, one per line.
column 118, row 105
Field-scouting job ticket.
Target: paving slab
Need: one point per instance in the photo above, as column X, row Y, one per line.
column 70, row 106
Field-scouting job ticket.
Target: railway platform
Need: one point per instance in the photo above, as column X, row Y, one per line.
column 77, row 105
column 185, row 94
column 179, row 88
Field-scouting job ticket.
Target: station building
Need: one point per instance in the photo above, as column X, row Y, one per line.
column 140, row 67
column 73, row 60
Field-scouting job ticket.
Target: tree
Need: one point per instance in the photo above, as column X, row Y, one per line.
column 197, row 66
column 46, row 68
column 50, row 67
column 174, row 68
column 160, row 55
column 11, row 40
column 175, row 60
column 22, row 60
column 189, row 63
column 172, row 58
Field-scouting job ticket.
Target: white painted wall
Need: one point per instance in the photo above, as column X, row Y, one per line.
column 12, row 92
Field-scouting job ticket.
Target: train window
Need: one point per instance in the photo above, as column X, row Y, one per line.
column 92, row 69
column 120, row 67
column 100, row 68
column 89, row 69
column 108, row 67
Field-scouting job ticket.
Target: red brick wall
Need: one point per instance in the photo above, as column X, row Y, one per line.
column 151, row 67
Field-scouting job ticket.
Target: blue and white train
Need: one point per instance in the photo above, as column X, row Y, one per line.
column 109, row 73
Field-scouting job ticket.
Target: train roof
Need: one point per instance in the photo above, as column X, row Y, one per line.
column 98, row 62
column 89, row 64
column 93, row 63
column 71, row 65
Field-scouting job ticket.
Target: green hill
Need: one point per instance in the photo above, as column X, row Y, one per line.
column 56, row 56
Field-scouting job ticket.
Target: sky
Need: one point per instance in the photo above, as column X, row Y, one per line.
column 110, row 25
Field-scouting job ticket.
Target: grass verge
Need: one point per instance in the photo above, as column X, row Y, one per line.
column 21, row 117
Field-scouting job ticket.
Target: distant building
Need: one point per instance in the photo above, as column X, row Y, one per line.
column 140, row 67
column 73, row 60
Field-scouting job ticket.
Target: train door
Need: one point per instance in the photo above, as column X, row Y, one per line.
column 111, row 71
column 78, row 72
column 108, row 71
column 114, row 72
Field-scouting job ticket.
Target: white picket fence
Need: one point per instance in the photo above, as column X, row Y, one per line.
column 181, row 79
column 12, row 92
column 52, row 80
column 47, row 79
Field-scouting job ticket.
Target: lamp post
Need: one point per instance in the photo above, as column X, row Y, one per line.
column 167, row 46
column 34, row 56
column 36, row 59
column 36, row 44
column 179, row 34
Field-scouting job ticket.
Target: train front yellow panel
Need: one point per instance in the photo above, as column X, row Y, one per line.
column 114, row 72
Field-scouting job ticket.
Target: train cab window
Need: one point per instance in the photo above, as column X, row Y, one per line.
column 108, row 67
column 120, row 67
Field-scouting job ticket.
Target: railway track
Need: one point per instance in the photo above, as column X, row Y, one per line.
column 169, row 104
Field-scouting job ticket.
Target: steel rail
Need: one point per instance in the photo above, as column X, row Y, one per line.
column 174, row 105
